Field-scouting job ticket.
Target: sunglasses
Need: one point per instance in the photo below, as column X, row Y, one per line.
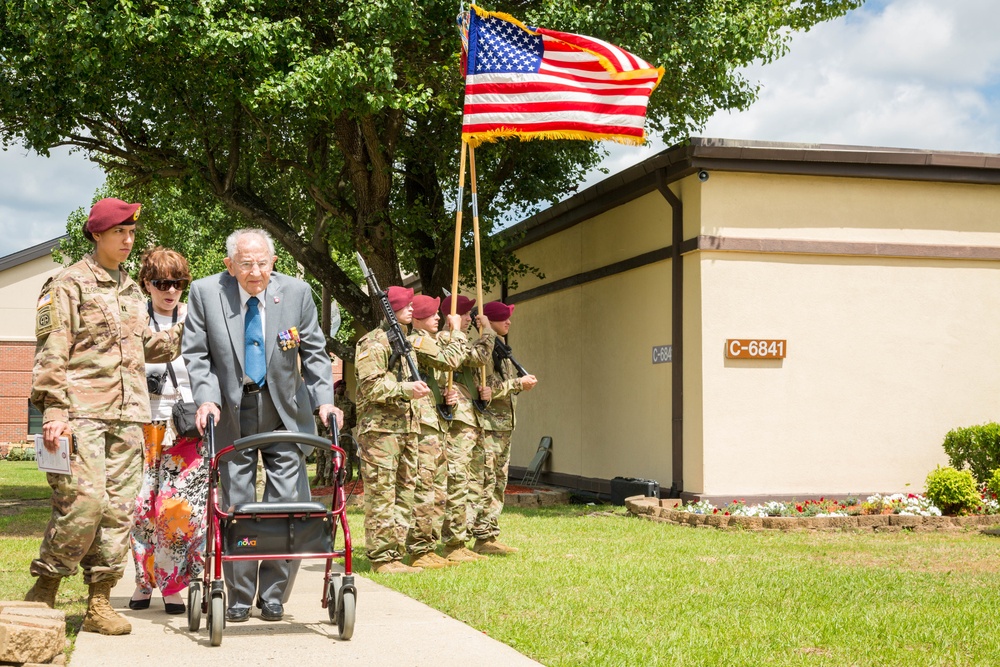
column 166, row 285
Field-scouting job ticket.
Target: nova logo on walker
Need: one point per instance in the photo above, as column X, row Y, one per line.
column 246, row 542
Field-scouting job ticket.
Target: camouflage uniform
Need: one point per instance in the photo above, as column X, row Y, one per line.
column 388, row 429
column 498, row 425
column 465, row 439
column 93, row 341
column 430, row 483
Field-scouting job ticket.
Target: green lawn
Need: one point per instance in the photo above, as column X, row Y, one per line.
column 592, row 586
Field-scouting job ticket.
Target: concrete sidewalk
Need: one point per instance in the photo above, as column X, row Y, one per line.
column 390, row 629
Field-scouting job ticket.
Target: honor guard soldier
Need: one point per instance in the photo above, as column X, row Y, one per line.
column 434, row 359
column 465, row 433
column 388, row 429
column 498, row 427
column 89, row 383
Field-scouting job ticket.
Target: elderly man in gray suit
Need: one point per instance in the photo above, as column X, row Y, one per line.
column 258, row 362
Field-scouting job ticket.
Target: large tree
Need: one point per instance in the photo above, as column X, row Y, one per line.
column 335, row 124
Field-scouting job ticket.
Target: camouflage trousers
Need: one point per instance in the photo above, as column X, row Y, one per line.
column 388, row 468
column 428, row 492
column 459, row 510
column 92, row 507
column 496, row 459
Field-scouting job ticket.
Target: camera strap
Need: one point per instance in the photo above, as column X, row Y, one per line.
column 156, row 326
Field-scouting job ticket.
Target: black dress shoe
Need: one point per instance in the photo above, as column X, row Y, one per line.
column 174, row 608
column 138, row 604
column 272, row 612
column 238, row 614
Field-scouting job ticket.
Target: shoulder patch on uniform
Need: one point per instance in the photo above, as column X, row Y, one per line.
column 418, row 342
column 46, row 317
column 361, row 355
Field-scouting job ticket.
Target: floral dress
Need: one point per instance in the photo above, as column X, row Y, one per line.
column 168, row 536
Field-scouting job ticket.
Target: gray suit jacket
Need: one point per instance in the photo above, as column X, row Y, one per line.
column 213, row 348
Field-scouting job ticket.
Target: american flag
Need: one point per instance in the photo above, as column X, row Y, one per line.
column 535, row 83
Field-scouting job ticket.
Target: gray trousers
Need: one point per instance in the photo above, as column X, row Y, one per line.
column 286, row 480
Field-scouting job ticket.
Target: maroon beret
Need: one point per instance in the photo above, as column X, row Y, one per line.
column 424, row 306
column 110, row 212
column 465, row 304
column 497, row 311
column 399, row 297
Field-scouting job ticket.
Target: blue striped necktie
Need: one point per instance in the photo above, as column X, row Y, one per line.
column 253, row 335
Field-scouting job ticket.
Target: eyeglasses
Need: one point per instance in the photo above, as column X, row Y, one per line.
column 263, row 266
column 167, row 285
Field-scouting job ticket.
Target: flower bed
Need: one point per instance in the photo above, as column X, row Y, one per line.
column 887, row 513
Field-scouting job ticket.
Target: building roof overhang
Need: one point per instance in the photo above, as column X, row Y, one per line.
column 29, row 254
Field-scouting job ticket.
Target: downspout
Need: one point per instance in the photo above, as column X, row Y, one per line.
column 677, row 335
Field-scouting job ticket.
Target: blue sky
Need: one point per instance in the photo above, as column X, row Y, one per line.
column 901, row 73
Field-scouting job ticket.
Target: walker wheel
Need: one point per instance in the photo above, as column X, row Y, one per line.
column 194, row 606
column 346, row 613
column 217, row 619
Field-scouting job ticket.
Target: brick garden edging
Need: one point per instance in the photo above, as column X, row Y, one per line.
column 665, row 510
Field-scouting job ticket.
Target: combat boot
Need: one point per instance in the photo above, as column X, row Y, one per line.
column 461, row 554
column 431, row 561
column 394, row 567
column 101, row 616
column 44, row 590
column 492, row 547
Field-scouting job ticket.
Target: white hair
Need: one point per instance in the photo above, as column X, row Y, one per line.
column 233, row 240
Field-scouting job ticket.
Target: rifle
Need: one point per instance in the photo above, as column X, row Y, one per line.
column 501, row 351
column 401, row 347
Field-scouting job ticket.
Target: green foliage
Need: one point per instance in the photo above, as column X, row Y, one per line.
column 335, row 125
column 18, row 453
column 993, row 484
column 976, row 448
column 953, row 491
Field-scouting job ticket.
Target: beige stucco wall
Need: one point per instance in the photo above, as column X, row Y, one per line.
column 19, row 288
column 884, row 355
column 849, row 209
column 600, row 397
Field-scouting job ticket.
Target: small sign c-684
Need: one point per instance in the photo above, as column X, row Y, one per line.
column 755, row 348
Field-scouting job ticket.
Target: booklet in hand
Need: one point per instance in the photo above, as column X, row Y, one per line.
column 57, row 461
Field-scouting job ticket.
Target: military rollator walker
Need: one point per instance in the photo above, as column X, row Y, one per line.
column 272, row 531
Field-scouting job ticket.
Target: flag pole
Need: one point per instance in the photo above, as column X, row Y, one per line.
column 475, row 234
column 458, row 242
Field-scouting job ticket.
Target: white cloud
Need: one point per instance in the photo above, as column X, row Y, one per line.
column 38, row 194
column 906, row 73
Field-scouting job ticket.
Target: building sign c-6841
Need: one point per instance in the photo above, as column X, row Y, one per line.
column 755, row 348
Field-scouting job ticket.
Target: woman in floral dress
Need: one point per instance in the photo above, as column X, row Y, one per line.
column 168, row 537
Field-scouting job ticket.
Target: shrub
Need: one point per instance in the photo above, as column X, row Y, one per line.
column 953, row 491
column 976, row 448
column 993, row 484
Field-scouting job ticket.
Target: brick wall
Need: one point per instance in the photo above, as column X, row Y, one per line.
column 16, row 359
